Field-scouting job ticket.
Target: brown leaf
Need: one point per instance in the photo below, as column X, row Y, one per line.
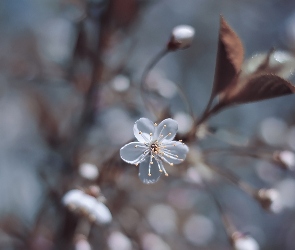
column 257, row 88
column 229, row 59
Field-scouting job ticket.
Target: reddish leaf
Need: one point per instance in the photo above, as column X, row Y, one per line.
column 257, row 88
column 229, row 59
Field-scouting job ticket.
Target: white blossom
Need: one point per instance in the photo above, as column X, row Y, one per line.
column 155, row 145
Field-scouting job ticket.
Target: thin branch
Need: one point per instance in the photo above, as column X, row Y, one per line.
column 227, row 223
column 230, row 176
column 145, row 73
column 186, row 102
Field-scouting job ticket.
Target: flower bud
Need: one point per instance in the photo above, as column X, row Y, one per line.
column 81, row 243
column 89, row 171
column 286, row 159
column 244, row 242
column 269, row 200
column 182, row 37
column 72, row 199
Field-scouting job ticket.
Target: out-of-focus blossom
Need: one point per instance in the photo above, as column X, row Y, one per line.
column 157, row 81
column 162, row 218
column 180, row 198
column 270, row 200
column 88, row 171
column 182, row 37
column 120, row 83
column 87, row 205
column 119, row 241
column 202, row 131
column 244, row 242
column 185, row 122
column 101, row 212
column 72, row 198
column 287, row 158
column 198, row 230
column 154, row 242
column 273, row 131
column 155, row 145
column 281, row 63
column 193, row 176
column 198, row 170
column 81, row 243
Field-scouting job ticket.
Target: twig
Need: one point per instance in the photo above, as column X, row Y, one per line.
column 227, row 174
column 145, row 73
column 227, row 223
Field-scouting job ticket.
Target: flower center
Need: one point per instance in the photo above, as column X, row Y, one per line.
column 155, row 148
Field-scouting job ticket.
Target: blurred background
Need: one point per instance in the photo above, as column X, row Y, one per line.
column 53, row 53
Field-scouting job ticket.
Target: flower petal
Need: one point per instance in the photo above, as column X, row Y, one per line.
column 133, row 152
column 144, row 171
column 101, row 213
column 175, row 152
column 146, row 127
column 166, row 130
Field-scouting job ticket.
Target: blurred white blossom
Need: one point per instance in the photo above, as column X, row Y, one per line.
column 270, row 200
column 162, row 218
column 287, row 158
column 273, row 131
column 280, row 62
column 119, row 241
column 88, row 171
column 198, row 230
column 157, row 81
column 83, row 203
column 82, row 244
column 185, row 122
column 244, row 242
column 154, row 242
column 120, row 83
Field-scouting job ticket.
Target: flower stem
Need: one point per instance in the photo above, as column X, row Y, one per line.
column 226, row 221
column 227, row 174
column 145, row 73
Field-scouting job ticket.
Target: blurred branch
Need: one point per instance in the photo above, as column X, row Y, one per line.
column 230, row 176
column 145, row 73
